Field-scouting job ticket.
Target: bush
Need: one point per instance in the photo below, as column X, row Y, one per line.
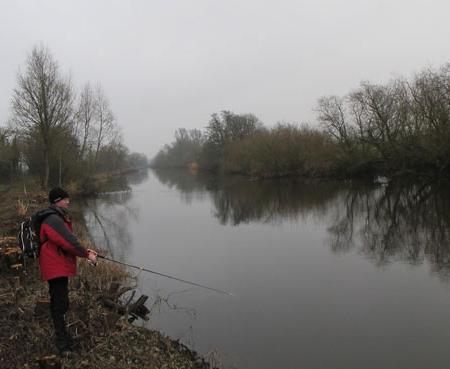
column 282, row 151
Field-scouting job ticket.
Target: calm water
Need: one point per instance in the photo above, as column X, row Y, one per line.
column 326, row 275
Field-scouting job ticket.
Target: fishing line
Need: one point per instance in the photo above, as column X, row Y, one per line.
column 165, row 275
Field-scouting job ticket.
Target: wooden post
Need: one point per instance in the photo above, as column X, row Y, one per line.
column 135, row 310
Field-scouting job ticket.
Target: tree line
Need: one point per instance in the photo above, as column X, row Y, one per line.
column 55, row 134
column 402, row 126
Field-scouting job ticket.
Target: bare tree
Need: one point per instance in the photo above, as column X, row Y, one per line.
column 85, row 118
column 105, row 128
column 42, row 102
column 332, row 116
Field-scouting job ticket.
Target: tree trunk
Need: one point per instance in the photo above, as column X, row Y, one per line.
column 46, row 169
column 60, row 170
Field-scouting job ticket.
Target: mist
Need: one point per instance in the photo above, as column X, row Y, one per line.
column 165, row 65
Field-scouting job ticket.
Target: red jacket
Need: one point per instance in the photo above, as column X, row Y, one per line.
column 59, row 246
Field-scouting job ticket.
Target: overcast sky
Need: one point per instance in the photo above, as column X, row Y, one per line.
column 169, row 64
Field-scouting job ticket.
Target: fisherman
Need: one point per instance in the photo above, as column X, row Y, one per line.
column 57, row 260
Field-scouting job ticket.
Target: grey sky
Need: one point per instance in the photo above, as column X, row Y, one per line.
column 170, row 64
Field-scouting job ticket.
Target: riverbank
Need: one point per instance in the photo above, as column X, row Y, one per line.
column 103, row 339
column 375, row 130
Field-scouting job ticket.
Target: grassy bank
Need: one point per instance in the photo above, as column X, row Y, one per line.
column 103, row 339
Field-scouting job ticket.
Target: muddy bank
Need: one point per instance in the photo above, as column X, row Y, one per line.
column 103, row 338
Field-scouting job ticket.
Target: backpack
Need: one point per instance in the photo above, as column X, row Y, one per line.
column 29, row 233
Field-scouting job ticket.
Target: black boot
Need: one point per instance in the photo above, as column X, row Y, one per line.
column 63, row 341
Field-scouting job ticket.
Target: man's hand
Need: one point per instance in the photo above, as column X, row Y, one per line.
column 92, row 256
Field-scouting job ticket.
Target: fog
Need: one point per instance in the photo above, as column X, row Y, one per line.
column 170, row 64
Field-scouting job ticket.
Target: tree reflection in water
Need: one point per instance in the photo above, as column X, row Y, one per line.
column 107, row 217
column 240, row 201
column 189, row 186
column 237, row 200
column 403, row 221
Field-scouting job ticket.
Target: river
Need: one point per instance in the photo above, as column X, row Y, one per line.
column 324, row 274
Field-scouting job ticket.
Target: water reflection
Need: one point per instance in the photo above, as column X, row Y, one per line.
column 107, row 218
column 137, row 177
column 399, row 221
column 238, row 200
column 408, row 222
column 188, row 185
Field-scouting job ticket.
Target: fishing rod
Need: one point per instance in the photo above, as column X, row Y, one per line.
column 165, row 275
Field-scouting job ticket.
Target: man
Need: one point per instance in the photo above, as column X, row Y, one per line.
column 57, row 260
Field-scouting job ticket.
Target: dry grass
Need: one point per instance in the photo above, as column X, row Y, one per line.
column 22, row 207
column 101, row 276
column 72, row 187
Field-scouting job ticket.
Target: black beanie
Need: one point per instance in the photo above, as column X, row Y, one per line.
column 56, row 194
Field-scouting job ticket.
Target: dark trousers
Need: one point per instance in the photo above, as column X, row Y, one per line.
column 59, row 304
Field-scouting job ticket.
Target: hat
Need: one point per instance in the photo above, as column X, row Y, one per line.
column 57, row 194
